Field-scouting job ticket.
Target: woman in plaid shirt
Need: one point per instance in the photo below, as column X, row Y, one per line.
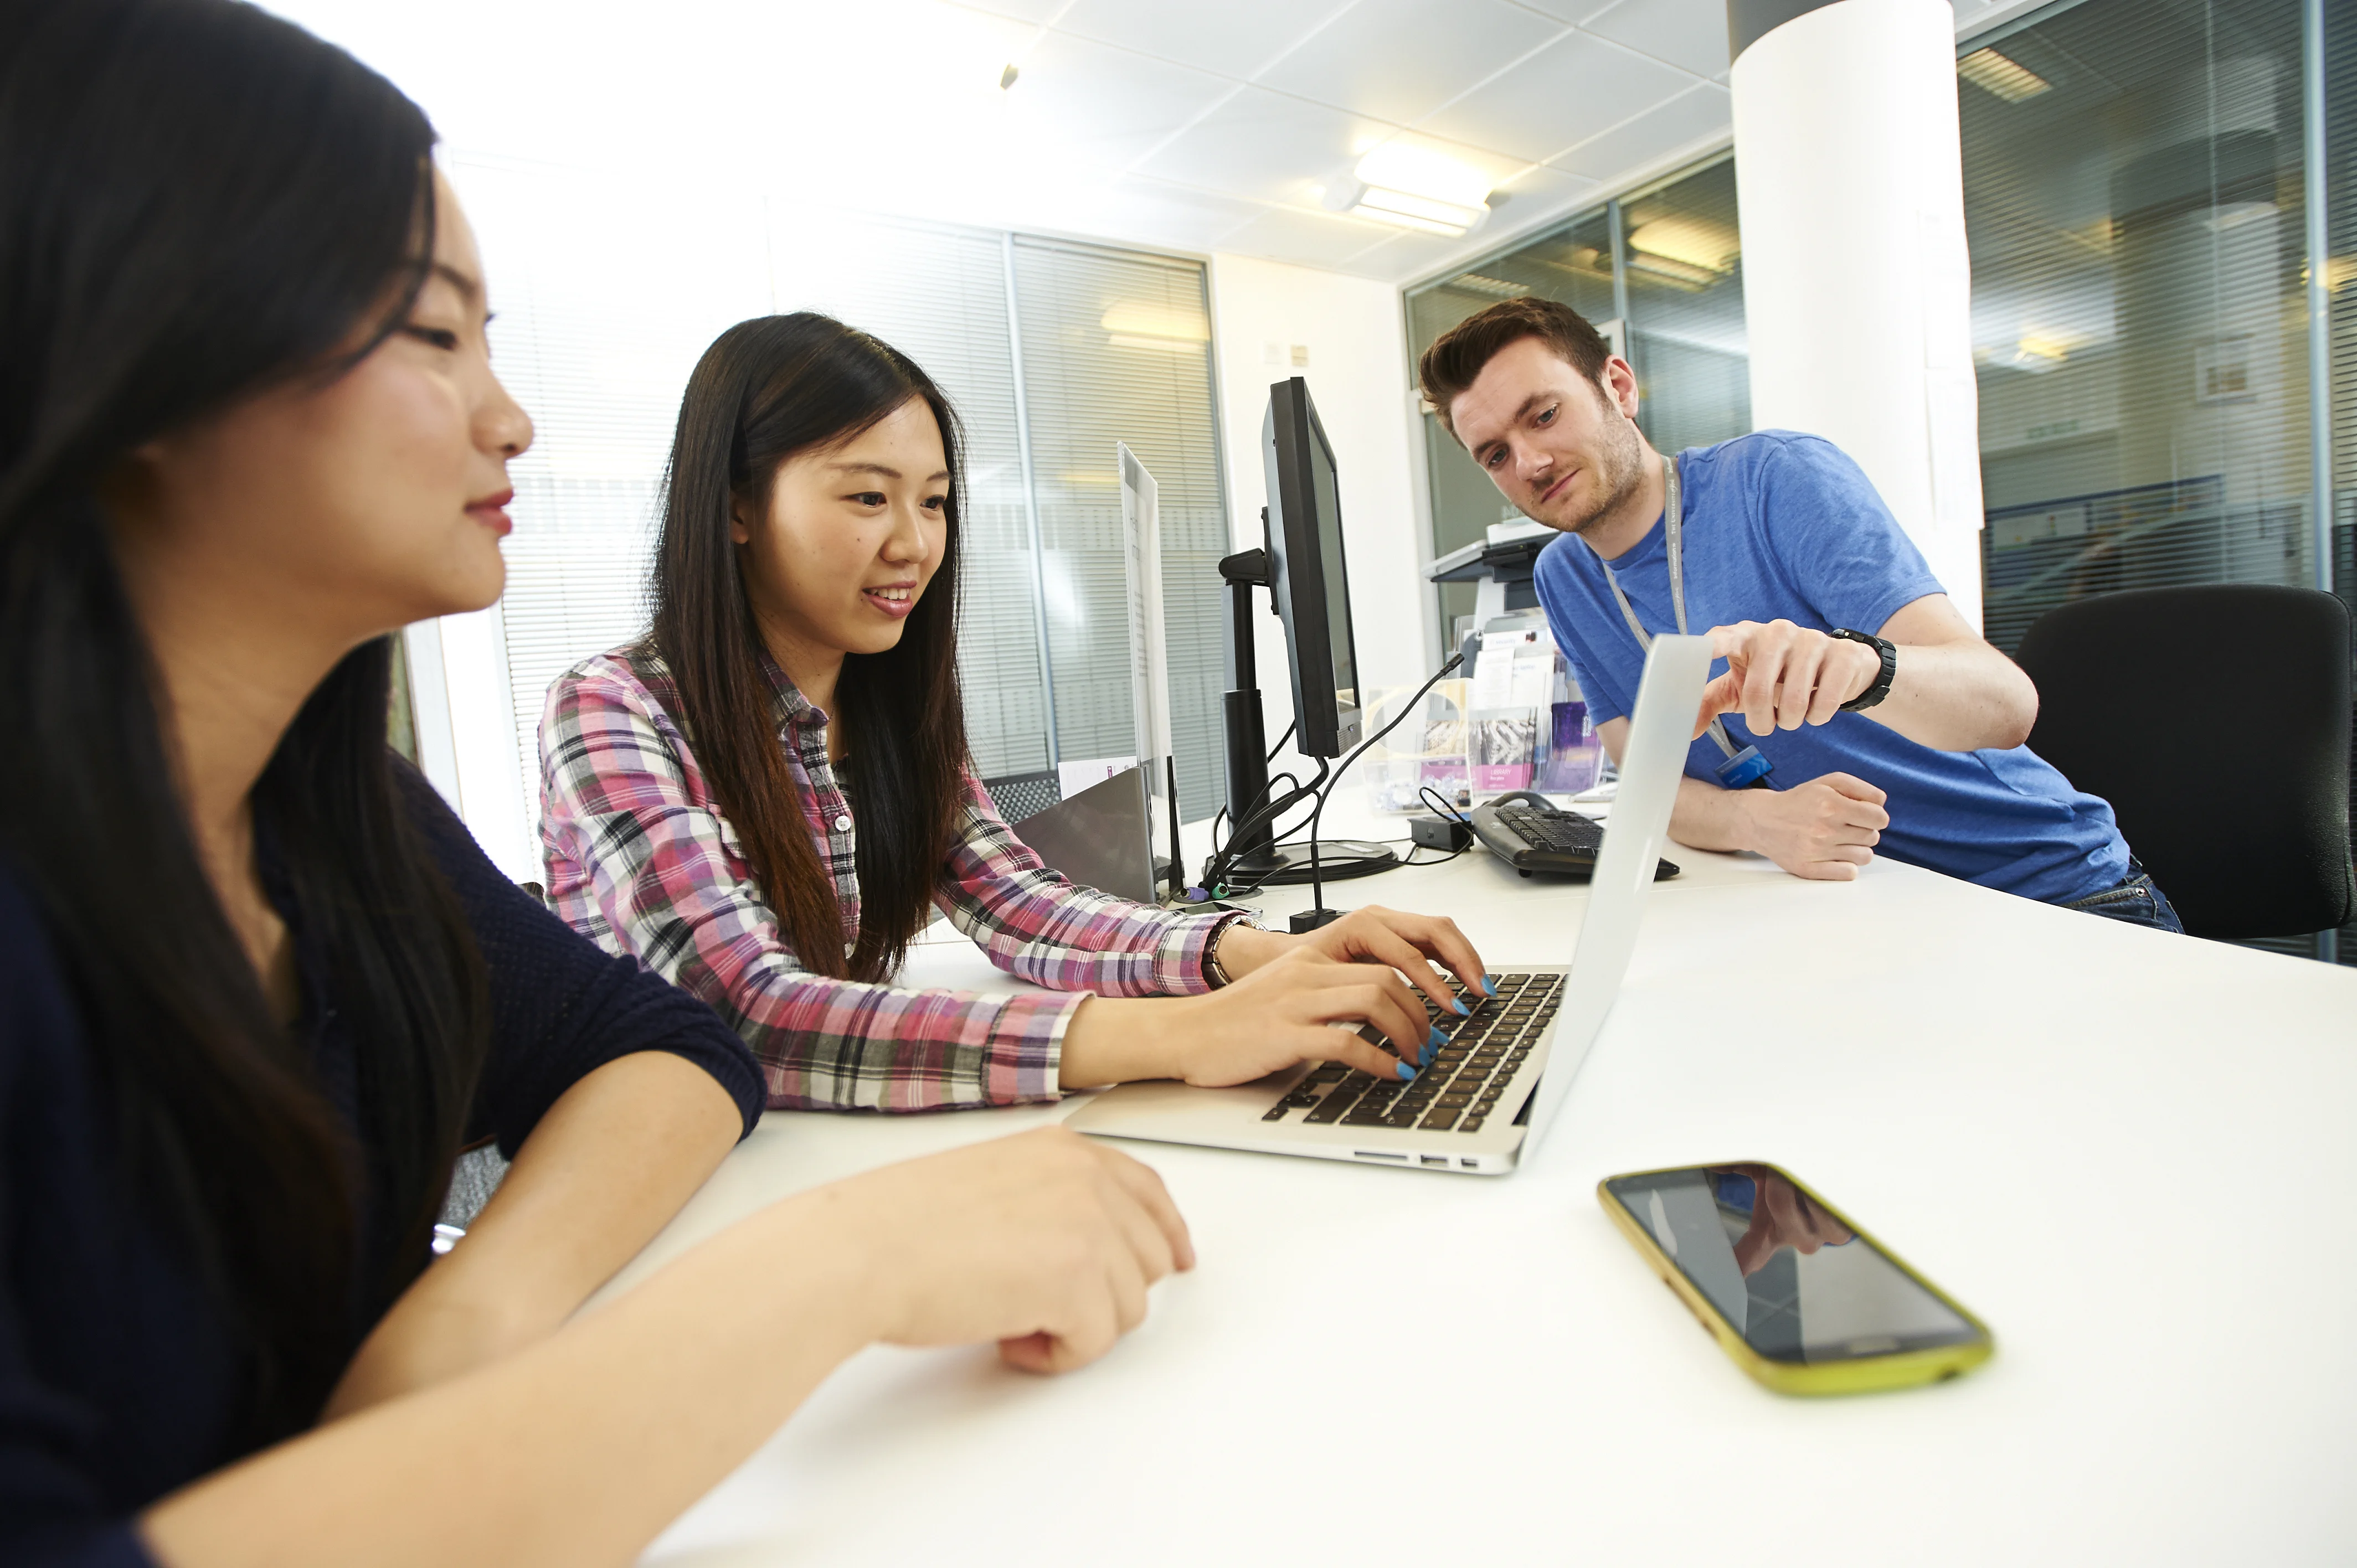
column 804, row 635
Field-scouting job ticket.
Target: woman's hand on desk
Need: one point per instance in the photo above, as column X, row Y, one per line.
column 1045, row 1241
column 1281, row 1013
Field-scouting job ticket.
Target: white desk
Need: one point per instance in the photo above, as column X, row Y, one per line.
column 2128, row 1152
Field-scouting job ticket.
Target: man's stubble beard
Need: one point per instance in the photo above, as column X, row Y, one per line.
column 1620, row 465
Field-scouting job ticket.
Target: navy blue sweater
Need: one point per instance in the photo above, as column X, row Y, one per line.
column 118, row 1376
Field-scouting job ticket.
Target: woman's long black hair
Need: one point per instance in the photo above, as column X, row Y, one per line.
column 198, row 202
column 766, row 389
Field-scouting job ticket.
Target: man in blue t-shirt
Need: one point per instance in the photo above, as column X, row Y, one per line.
column 1885, row 720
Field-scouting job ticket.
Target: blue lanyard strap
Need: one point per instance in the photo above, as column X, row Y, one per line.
column 1673, row 516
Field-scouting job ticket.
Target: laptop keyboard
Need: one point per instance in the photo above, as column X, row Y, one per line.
column 1557, row 832
column 1460, row 1089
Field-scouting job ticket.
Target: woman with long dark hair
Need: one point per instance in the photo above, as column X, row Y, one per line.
column 766, row 797
column 257, row 984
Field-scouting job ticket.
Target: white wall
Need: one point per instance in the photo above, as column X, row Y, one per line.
column 1357, row 376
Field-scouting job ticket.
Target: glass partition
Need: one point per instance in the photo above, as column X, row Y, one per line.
column 2133, row 198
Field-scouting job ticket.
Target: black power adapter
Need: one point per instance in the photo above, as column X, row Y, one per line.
column 1439, row 832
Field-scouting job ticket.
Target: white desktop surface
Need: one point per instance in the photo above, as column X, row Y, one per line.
column 2124, row 1149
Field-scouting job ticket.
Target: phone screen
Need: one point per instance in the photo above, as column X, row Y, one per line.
column 1795, row 1282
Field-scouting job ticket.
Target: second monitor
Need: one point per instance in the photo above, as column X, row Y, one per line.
column 1302, row 566
column 1307, row 573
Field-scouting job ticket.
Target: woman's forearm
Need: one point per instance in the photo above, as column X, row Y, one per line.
column 577, row 1449
column 606, row 1168
column 580, row 1448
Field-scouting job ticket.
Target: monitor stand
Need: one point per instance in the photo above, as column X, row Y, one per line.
column 1258, row 860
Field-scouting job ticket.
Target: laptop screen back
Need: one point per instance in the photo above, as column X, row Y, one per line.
column 1660, row 731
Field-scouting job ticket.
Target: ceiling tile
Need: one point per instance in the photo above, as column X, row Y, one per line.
column 1568, row 92
column 1573, row 10
column 1535, row 194
column 1398, row 60
column 1153, row 212
column 1034, row 11
column 1405, row 255
column 1106, row 105
column 1688, row 34
column 1265, row 146
column 1304, row 239
column 1693, row 116
column 1233, row 37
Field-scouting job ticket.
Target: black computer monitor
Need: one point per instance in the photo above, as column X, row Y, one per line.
column 1307, row 573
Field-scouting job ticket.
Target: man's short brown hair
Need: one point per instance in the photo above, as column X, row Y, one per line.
column 1457, row 358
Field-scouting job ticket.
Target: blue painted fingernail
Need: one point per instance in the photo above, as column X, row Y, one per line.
column 1434, row 1040
column 1489, row 985
column 1406, row 1072
column 1426, row 1060
column 1462, row 1010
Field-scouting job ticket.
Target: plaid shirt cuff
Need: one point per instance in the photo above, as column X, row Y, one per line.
column 1024, row 1059
column 1179, row 968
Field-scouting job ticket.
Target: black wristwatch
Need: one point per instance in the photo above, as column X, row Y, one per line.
column 1881, row 687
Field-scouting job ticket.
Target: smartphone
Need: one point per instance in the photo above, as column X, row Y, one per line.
column 1801, row 1297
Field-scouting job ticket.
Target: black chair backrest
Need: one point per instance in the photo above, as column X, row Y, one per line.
column 2216, row 721
column 1020, row 795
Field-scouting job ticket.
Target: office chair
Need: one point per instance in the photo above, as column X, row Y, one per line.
column 1019, row 795
column 2216, row 720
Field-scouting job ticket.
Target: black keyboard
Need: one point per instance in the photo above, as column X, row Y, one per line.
column 1534, row 838
column 1468, row 1079
column 1557, row 832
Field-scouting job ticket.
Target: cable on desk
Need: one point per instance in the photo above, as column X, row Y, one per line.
column 1318, row 914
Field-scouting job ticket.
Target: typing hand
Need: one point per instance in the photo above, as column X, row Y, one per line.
column 1409, row 943
column 1781, row 676
column 1823, row 829
column 1286, row 1012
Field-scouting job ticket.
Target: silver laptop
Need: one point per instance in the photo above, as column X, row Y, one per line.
column 1480, row 1109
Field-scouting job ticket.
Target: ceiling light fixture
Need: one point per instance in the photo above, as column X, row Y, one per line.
column 2006, row 76
column 1414, row 188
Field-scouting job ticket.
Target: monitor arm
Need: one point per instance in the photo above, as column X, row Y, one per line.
column 1247, row 738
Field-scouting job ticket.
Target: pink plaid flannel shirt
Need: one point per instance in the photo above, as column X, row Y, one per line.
column 641, row 862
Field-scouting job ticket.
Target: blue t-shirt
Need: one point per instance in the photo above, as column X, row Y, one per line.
column 1784, row 525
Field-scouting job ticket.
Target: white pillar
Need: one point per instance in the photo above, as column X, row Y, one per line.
column 1857, row 284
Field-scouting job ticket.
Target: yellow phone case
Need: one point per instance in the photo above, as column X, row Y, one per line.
column 1900, row 1369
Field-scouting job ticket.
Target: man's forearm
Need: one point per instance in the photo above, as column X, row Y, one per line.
column 1707, row 817
column 1958, row 696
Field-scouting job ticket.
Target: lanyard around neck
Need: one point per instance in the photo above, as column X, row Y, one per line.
column 1673, row 519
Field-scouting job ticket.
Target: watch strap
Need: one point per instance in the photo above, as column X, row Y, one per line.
column 1880, row 687
column 1213, row 969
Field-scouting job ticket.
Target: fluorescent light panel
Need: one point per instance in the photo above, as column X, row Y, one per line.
column 1415, row 188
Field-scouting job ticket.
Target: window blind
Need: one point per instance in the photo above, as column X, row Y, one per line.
column 1116, row 348
column 601, row 315
column 2132, row 199
column 940, row 296
column 2341, row 278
